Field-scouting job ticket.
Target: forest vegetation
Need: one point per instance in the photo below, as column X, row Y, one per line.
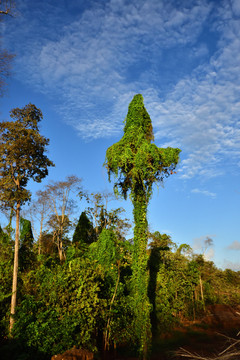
column 84, row 283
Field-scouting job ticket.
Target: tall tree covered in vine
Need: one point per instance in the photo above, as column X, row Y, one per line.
column 137, row 164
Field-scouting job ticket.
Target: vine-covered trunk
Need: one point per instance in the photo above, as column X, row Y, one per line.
column 137, row 164
column 15, row 270
column 140, row 272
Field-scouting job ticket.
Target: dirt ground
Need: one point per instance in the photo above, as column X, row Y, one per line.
column 207, row 337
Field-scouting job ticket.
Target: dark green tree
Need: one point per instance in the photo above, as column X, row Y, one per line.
column 137, row 164
column 22, row 157
column 26, row 253
column 84, row 233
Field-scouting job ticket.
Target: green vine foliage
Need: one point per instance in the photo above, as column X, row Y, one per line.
column 113, row 255
column 137, row 164
column 61, row 307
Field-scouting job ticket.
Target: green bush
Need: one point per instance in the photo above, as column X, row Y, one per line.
column 64, row 311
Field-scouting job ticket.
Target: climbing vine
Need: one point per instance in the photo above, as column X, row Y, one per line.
column 137, row 164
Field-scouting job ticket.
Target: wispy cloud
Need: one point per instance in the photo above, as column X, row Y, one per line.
column 106, row 52
column 95, row 61
column 203, row 192
column 235, row 245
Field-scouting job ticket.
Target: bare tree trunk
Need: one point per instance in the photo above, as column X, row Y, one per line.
column 40, row 235
column 39, row 244
column 61, row 236
column 40, row 241
column 59, row 246
column 15, row 270
column 60, row 251
column 201, row 289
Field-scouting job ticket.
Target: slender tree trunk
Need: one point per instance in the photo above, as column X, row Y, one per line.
column 60, row 239
column 40, row 236
column 15, row 270
column 61, row 236
column 201, row 288
column 39, row 244
column 61, row 251
column 59, row 245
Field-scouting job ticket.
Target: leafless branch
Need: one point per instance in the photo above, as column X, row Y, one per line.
column 6, row 7
column 232, row 352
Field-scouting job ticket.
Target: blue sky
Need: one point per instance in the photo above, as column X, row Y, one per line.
column 81, row 62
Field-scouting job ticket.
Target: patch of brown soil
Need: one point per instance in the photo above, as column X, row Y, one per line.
column 74, row 354
column 222, row 317
column 206, row 337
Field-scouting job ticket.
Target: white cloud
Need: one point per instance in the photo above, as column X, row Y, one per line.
column 204, row 192
column 91, row 54
column 203, row 114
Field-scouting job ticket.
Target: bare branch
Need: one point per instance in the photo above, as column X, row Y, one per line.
column 6, row 7
column 231, row 352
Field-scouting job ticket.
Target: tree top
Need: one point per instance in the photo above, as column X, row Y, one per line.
column 22, row 155
column 135, row 160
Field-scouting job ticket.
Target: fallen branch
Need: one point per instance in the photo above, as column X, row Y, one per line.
column 232, row 352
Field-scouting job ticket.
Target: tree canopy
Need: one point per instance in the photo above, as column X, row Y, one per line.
column 22, row 155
